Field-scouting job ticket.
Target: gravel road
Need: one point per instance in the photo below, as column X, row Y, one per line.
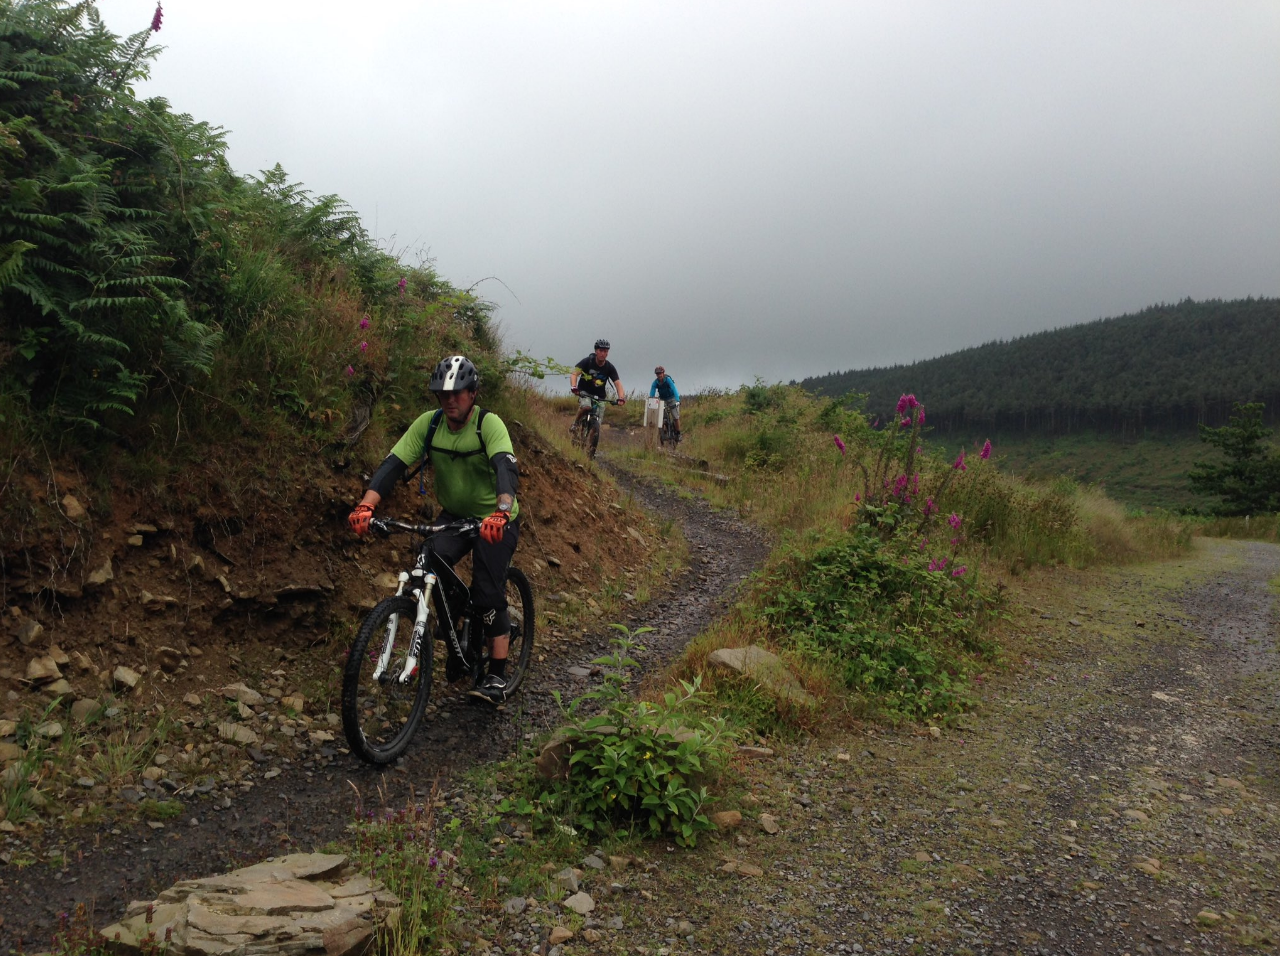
column 1117, row 794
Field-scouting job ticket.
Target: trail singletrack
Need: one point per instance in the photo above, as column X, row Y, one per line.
column 301, row 809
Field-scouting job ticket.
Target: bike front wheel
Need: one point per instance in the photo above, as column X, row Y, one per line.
column 593, row 439
column 384, row 694
column 520, row 609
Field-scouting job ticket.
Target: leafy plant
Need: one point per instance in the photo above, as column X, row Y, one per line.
column 639, row 763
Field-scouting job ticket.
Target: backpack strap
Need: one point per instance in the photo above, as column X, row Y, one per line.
column 432, row 428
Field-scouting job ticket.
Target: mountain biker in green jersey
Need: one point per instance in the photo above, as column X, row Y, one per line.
column 588, row 379
column 475, row 476
column 664, row 387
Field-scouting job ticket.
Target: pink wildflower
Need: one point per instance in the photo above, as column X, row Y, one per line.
column 876, row 422
column 955, row 520
column 986, row 451
column 907, row 402
column 958, row 571
column 364, row 346
column 905, row 423
column 839, row 443
column 401, row 284
column 960, row 465
column 933, row 564
column 920, row 416
column 857, row 497
column 156, row 18
column 350, row 371
column 929, row 507
column 364, row 322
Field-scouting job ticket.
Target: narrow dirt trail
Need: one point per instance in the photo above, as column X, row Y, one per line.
column 303, row 809
column 1118, row 795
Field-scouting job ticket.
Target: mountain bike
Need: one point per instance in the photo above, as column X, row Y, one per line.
column 387, row 679
column 667, row 434
column 586, row 433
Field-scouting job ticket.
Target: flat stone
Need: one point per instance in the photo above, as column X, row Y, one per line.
column 101, row 575
column 238, row 733
column 84, row 709
column 762, row 666
column 515, row 906
column 559, row 934
column 41, row 670
column 242, row 693
column 125, row 677
column 727, row 819
column 28, row 631
column 72, row 508
column 769, row 823
column 580, row 903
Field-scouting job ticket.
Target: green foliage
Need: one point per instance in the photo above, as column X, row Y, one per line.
column 1248, row 482
column 895, row 620
column 636, row 763
column 399, row 848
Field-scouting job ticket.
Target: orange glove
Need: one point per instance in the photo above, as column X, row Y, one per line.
column 491, row 528
column 359, row 519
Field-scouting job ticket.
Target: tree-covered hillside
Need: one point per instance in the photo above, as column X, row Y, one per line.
column 1167, row 368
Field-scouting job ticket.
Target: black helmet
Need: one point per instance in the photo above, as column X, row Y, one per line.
column 453, row 374
column 602, row 344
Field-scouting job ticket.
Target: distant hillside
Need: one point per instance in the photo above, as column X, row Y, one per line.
column 1167, row 368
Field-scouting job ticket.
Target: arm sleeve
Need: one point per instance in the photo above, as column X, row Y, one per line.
column 675, row 392
column 389, row 472
column 506, row 473
column 653, row 389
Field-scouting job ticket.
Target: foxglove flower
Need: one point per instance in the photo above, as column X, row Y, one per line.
column 364, row 322
column 986, row 451
column 401, row 284
column 907, row 402
column 958, row 571
column 955, row 520
column 960, row 465
column 839, row 443
column 156, row 18
column 364, row 346
column 350, row 372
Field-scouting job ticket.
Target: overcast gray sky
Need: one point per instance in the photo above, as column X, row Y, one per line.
column 742, row 189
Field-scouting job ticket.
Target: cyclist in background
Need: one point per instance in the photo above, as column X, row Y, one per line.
column 475, row 476
column 588, row 379
column 664, row 387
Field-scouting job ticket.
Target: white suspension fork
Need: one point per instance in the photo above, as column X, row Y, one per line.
column 419, row 628
column 393, row 622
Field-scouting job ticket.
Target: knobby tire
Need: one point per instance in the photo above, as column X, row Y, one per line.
column 379, row 718
column 520, row 607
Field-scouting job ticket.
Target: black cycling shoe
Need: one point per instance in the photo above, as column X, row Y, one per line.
column 493, row 689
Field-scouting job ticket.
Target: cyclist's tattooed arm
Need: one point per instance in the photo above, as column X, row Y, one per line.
column 506, row 473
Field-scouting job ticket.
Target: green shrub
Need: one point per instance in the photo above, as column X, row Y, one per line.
column 635, row 763
column 897, row 618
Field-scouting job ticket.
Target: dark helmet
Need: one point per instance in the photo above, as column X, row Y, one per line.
column 602, row 344
column 453, row 374
column 659, row 371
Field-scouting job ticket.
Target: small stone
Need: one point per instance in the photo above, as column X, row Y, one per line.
column 580, row 903
column 1136, row 815
column 100, row 576
column 843, row 757
column 592, row 935
column 168, row 659
column 41, row 670
column 125, row 677
column 1208, row 918
column 244, row 694
column 559, row 934
column 85, row 709
column 72, row 508
column 134, row 541
column 28, row 632
column 726, row 819
column 923, row 857
column 193, row 700
column 515, row 906
column 51, row 730
column 769, row 823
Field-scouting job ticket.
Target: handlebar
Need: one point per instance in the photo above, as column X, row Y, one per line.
column 388, row 526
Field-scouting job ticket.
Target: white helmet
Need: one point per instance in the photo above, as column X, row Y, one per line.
column 453, row 374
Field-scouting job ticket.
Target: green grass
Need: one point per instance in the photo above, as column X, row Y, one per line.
column 1146, row 473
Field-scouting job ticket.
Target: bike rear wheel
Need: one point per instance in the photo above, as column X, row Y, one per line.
column 520, row 608
column 380, row 713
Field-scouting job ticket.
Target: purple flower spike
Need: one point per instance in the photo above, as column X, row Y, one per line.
column 959, row 571
column 364, row 323
column 401, row 284
column 960, row 465
column 955, row 520
column 986, row 451
column 839, row 443
column 364, row 346
column 350, row 372
column 156, row 18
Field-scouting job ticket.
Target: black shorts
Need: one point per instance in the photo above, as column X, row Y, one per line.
column 489, row 565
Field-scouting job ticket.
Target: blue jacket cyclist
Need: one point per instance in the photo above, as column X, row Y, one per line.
column 664, row 387
column 475, row 476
